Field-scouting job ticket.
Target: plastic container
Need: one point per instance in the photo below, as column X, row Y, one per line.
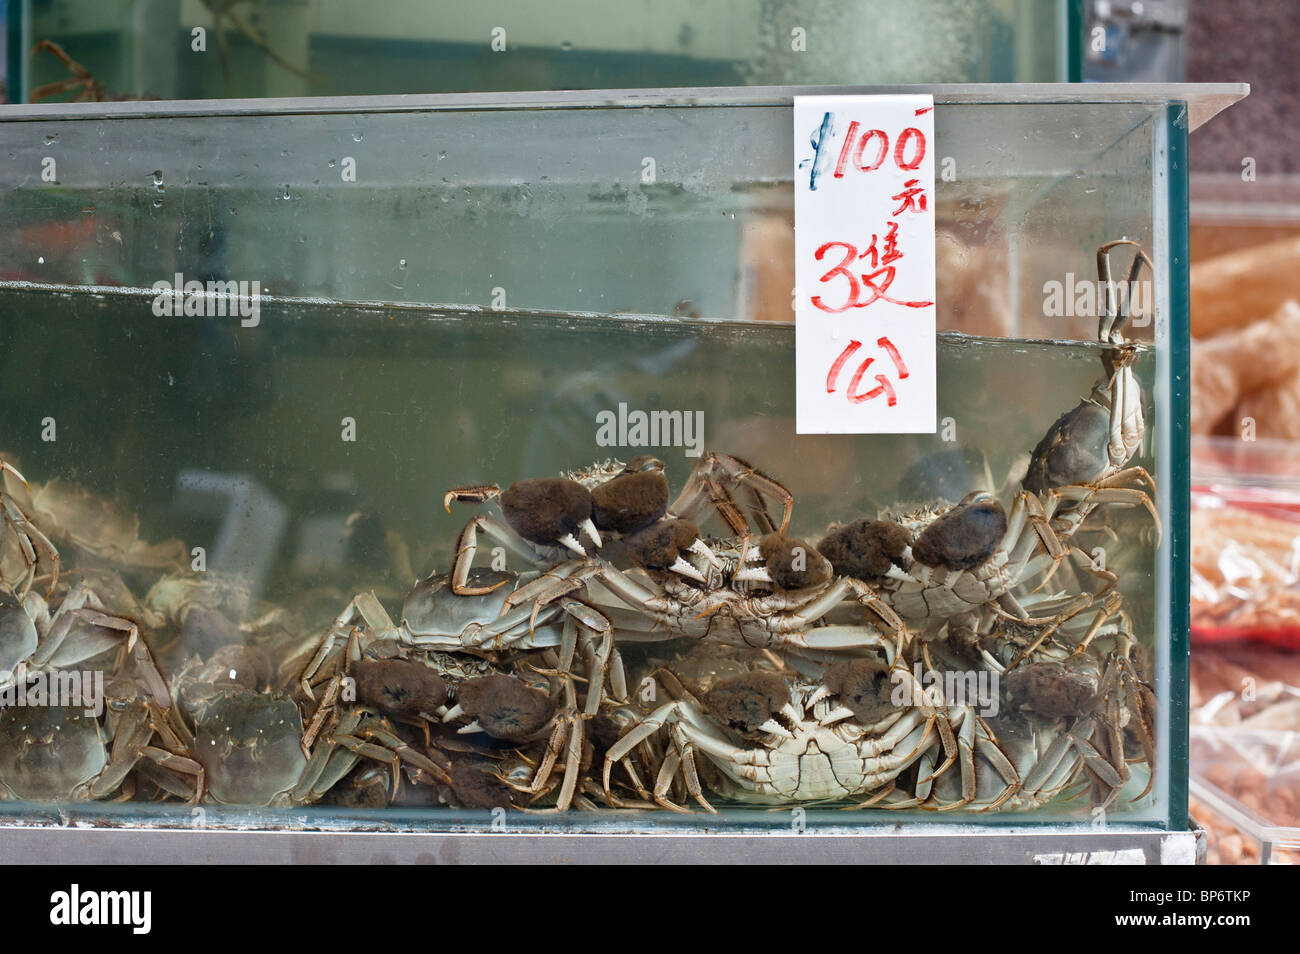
column 1246, row 542
column 1246, row 793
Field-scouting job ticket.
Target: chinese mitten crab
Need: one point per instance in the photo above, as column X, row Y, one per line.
column 772, row 739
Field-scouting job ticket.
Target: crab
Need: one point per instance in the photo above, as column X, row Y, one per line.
column 1122, row 708
column 35, row 639
column 252, row 743
column 66, row 753
column 196, row 614
column 435, row 619
column 236, row 732
column 94, row 528
column 1067, row 713
column 940, row 567
column 934, row 565
column 776, row 740
column 85, row 736
column 543, row 517
column 1082, row 462
column 508, row 709
column 774, row 592
column 411, row 678
column 20, row 536
column 543, row 520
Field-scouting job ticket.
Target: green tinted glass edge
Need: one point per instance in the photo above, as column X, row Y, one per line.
column 1074, row 40
column 1179, row 488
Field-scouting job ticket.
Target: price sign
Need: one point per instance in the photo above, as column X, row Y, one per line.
column 864, row 264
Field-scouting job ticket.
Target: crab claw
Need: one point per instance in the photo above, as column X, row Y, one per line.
column 754, row 574
column 902, row 576
column 682, row 566
column 822, row 692
column 570, row 542
column 838, row 714
column 470, row 728
column 454, row 713
column 700, row 547
column 5, row 466
column 589, row 528
column 776, row 728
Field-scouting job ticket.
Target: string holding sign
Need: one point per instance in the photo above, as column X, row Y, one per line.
column 864, row 267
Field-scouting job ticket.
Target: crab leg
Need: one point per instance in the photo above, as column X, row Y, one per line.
column 365, row 606
column 925, row 782
column 988, row 747
column 682, row 744
column 467, row 547
column 34, row 544
column 392, row 745
column 843, row 586
column 1053, row 770
column 131, row 737
column 261, row 44
column 1113, row 322
column 708, row 484
column 1080, row 736
column 836, row 637
column 567, row 736
column 1091, row 496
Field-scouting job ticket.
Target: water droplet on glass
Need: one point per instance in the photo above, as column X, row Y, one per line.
column 331, row 163
column 40, row 260
column 442, row 154
column 566, row 45
column 357, row 137
column 51, row 138
column 401, row 263
column 286, row 192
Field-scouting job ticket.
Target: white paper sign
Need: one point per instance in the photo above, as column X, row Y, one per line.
column 864, row 264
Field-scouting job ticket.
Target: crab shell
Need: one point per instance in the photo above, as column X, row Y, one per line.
column 250, row 745
column 47, row 753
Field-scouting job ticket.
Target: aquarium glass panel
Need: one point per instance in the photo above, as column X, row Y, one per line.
column 394, row 462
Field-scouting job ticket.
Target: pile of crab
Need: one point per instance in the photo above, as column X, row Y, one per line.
column 617, row 655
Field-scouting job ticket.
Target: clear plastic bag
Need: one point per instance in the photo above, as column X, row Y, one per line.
column 1245, row 577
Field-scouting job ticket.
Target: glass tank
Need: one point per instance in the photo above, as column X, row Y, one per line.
column 398, row 462
column 207, row 49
